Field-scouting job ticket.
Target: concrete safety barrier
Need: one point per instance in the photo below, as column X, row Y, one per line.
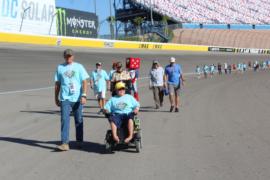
column 101, row 43
column 94, row 43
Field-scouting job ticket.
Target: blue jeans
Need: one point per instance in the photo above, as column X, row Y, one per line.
column 76, row 107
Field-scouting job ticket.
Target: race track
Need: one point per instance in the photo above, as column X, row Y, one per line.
column 220, row 133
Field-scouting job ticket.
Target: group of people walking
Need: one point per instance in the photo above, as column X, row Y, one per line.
column 226, row 68
column 71, row 87
column 166, row 81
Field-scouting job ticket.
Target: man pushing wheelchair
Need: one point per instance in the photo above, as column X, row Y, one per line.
column 121, row 110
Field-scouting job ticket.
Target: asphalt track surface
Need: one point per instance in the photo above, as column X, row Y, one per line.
column 220, row 133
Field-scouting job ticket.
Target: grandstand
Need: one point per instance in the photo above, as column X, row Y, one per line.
column 213, row 11
column 232, row 23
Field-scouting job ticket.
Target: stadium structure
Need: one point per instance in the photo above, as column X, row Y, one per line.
column 149, row 20
column 204, row 15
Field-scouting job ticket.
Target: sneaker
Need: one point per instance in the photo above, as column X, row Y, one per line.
column 157, row 106
column 100, row 111
column 176, row 109
column 171, row 109
column 63, row 147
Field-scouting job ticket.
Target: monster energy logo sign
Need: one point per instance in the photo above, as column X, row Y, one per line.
column 76, row 23
column 61, row 22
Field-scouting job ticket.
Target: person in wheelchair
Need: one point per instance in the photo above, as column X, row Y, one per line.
column 121, row 109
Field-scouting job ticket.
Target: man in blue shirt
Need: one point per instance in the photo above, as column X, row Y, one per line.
column 70, row 93
column 99, row 82
column 122, row 108
column 174, row 78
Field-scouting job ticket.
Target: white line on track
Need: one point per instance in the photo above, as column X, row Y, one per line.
column 51, row 87
column 26, row 90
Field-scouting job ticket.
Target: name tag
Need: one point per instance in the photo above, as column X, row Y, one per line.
column 72, row 88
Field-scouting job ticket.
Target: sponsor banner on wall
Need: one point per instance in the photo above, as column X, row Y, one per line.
column 240, row 50
column 28, row 16
column 253, row 51
column 108, row 44
column 76, row 23
column 221, row 49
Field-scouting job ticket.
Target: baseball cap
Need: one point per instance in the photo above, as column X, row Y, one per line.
column 172, row 60
column 155, row 62
column 98, row 64
column 120, row 85
column 68, row 52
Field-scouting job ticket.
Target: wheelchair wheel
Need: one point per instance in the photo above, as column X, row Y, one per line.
column 137, row 145
column 108, row 147
column 107, row 141
column 139, row 136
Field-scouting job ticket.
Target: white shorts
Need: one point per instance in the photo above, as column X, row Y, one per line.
column 100, row 95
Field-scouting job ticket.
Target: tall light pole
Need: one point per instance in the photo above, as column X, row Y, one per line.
column 111, row 25
column 95, row 6
column 110, row 3
column 115, row 16
column 23, row 15
column 152, row 21
column 52, row 22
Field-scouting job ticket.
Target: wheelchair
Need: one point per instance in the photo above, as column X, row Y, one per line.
column 135, row 143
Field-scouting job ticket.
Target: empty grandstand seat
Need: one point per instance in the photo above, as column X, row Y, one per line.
column 212, row 11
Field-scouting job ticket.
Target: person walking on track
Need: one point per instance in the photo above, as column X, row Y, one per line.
column 157, row 83
column 99, row 81
column 70, row 94
column 121, row 75
column 174, row 79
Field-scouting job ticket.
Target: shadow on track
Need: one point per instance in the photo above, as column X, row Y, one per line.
column 43, row 112
column 151, row 109
column 90, row 147
column 58, row 113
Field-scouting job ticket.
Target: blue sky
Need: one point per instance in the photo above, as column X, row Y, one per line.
column 102, row 7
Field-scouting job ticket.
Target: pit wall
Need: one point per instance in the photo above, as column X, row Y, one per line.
column 6, row 37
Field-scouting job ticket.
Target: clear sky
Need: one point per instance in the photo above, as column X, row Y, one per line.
column 102, row 8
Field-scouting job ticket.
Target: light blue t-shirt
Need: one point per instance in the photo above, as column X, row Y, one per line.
column 111, row 74
column 264, row 64
column 198, row 70
column 206, row 69
column 122, row 104
column 173, row 72
column 212, row 68
column 70, row 77
column 99, row 77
